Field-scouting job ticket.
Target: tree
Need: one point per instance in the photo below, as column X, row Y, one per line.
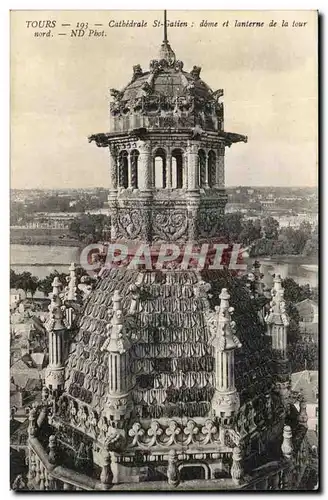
column 232, row 227
column 270, row 228
column 89, row 228
column 45, row 285
column 250, row 232
column 25, row 281
column 294, row 292
column 311, row 247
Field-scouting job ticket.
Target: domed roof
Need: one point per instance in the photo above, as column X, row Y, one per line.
column 171, row 92
column 173, row 351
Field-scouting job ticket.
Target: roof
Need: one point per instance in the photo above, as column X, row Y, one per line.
column 20, row 373
column 170, row 83
column 18, row 291
column 307, row 301
column 180, row 98
column 306, row 382
column 173, row 359
column 38, row 358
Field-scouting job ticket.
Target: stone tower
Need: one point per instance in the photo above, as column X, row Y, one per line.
column 169, row 374
column 166, row 154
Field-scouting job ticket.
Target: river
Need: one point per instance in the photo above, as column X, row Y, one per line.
column 41, row 260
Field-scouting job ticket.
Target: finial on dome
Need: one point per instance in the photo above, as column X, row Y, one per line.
column 165, row 40
column 166, row 53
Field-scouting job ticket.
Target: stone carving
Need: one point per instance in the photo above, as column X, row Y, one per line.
column 130, row 224
column 173, row 433
column 208, row 223
column 169, row 225
column 137, row 72
column 195, row 72
column 172, row 469
column 236, row 468
column 116, row 94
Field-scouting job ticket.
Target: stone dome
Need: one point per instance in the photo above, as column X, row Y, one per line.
column 166, row 96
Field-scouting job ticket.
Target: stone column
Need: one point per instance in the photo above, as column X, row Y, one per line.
column 144, row 166
column 207, row 166
column 112, row 170
column 169, row 171
column 236, row 468
column 220, row 177
column 185, row 170
column 192, row 153
column 172, row 469
column 106, row 474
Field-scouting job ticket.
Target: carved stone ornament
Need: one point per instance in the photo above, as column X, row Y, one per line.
column 130, row 224
column 173, row 433
column 169, row 225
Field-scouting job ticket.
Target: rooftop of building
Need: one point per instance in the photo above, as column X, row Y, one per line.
column 306, row 383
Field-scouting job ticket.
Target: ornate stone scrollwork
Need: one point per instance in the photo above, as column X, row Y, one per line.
column 169, row 224
column 137, row 72
column 208, row 222
column 116, row 94
column 195, row 72
column 130, row 224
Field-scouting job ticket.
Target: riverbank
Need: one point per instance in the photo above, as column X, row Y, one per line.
column 64, row 242
column 50, row 237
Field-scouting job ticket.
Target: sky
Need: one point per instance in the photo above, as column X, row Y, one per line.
column 59, row 91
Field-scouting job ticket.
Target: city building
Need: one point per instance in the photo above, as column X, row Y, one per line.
column 306, row 383
column 167, row 379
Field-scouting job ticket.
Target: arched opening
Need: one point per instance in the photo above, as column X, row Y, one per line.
column 177, row 169
column 159, row 169
column 123, row 163
column 202, row 168
column 211, row 166
column 192, row 472
column 134, row 168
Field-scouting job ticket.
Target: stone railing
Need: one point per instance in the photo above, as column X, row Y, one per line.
column 46, row 475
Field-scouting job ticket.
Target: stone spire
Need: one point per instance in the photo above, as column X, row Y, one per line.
column 56, row 286
column 118, row 346
column 72, row 295
column 226, row 399
column 278, row 321
column 277, row 314
column 72, row 283
column 56, row 327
